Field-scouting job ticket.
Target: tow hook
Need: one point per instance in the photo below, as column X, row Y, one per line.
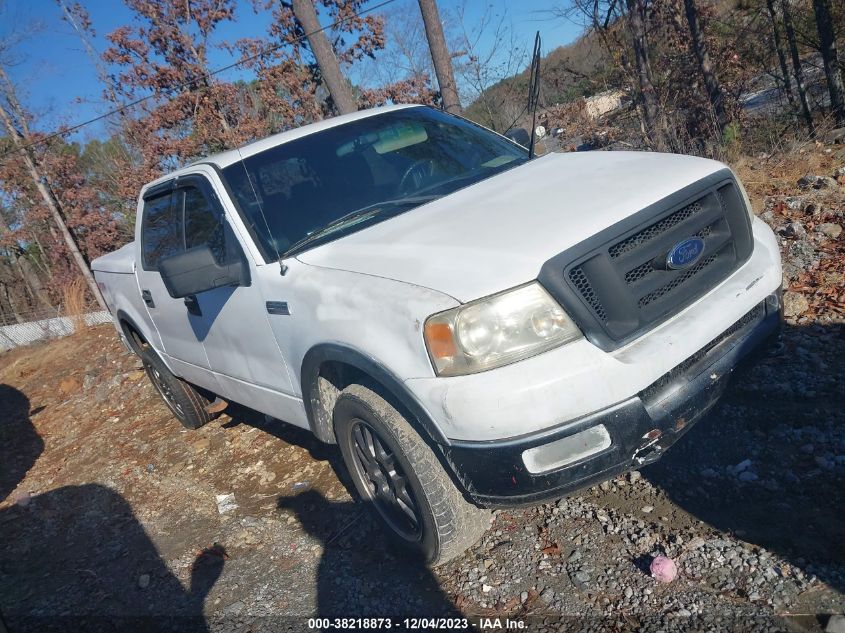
column 649, row 450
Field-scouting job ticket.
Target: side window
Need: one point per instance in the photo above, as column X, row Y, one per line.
column 204, row 225
column 161, row 231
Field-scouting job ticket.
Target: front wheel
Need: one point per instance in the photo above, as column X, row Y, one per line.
column 400, row 477
column 186, row 403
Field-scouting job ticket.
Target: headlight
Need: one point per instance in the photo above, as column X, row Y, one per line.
column 745, row 197
column 497, row 330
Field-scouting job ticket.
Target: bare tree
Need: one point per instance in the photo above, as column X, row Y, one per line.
column 778, row 43
column 830, row 58
column 647, row 93
column 18, row 259
column 698, row 44
column 11, row 112
column 482, row 65
column 440, row 55
column 339, row 88
column 798, row 71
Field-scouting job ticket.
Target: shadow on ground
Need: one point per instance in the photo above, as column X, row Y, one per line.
column 359, row 575
column 785, row 416
column 76, row 558
column 20, row 444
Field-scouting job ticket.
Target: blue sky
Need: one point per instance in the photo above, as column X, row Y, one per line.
column 58, row 82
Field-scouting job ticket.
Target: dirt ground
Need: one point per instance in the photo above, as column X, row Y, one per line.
column 113, row 517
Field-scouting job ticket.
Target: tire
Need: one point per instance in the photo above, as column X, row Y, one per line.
column 409, row 476
column 186, row 403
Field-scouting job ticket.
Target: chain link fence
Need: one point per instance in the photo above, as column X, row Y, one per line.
column 42, row 326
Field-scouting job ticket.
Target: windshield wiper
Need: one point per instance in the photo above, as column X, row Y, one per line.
column 371, row 210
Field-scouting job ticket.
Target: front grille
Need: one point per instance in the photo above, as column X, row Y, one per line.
column 654, row 230
column 619, row 285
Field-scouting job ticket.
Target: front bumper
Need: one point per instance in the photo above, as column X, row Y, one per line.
column 641, row 428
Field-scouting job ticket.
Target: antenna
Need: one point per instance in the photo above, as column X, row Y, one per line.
column 534, row 92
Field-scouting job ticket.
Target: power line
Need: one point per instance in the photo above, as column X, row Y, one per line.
column 186, row 84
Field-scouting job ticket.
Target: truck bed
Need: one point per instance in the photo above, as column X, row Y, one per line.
column 121, row 261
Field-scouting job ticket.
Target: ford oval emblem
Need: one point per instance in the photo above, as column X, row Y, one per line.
column 686, row 253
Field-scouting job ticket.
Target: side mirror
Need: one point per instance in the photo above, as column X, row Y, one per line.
column 196, row 270
column 519, row 135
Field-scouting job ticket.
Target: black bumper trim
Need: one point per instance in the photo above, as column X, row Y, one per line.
column 641, row 428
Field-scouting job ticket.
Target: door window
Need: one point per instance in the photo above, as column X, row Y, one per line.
column 161, row 231
column 204, row 224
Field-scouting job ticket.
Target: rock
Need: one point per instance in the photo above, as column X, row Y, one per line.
column 22, row 499
column 825, row 182
column 201, row 445
column 830, row 229
column 88, row 381
column 523, row 596
column 574, row 556
column 695, row 543
column 144, row 581
column 793, row 229
column 836, row 624
column 582, row 576
column 836, row 136
column 69, row 386
column 709, row 473
column 748, row 475
column 745, row 464
column 794, row 304
column 547, row 595
column 648, row 509
column 629, row 592
column 226, row 503
column 807, row 180
column 486, row 588
column 634, row 476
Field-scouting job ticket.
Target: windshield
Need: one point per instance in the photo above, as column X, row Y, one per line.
column 330, row 183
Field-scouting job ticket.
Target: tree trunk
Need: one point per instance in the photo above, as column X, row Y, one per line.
column 787, row 82
column 339, row 88
column 52, row 205
column 440, row 56
column 796, row 66
column 832, row 71
column 28, row 275
column 699, row 48
column 648, row 95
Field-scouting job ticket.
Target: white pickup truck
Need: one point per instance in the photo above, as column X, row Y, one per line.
column 473, row 327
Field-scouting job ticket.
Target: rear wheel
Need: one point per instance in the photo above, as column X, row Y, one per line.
column 400, row 477
column 186, row 403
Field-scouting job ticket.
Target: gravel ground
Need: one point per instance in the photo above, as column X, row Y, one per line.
column 112, row 517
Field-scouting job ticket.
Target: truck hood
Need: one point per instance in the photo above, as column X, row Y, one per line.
column 497, row 234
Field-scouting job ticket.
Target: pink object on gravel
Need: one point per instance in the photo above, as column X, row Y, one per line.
column 663, row 569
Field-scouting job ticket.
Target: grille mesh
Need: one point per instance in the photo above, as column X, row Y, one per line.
column 653, row 296
column 644, row 270
column 580, row 281
column 637, row 239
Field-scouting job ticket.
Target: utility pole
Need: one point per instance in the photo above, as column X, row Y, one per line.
column 50, row 201
column 440, row 56
column 339, row 88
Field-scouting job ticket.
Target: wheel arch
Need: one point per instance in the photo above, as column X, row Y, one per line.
column 328, row 367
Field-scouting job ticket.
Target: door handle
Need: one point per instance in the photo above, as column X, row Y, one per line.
column 193, row 305
column 148, row 298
